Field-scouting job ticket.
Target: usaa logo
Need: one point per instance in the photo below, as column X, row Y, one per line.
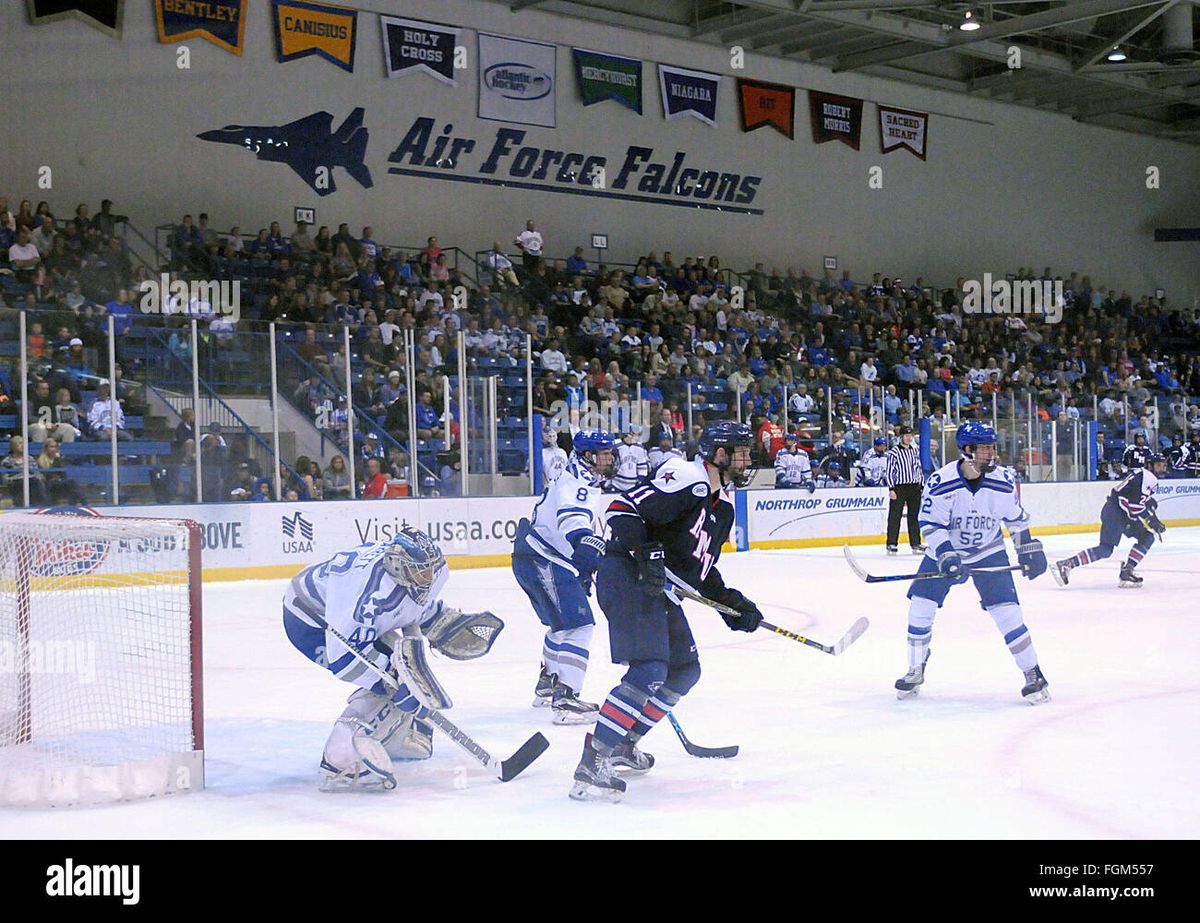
column 72, row 558
column 297, row 534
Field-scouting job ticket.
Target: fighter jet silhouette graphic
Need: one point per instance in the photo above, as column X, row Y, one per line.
column 306, row 145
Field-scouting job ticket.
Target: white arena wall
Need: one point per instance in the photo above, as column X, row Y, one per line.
column 270, row 540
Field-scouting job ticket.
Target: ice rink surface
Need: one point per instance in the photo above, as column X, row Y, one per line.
column 827, row 751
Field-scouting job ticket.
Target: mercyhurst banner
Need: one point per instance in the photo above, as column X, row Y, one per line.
column 604, row 76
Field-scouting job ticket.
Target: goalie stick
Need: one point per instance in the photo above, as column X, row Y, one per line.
column 861, row 572
column 504, row 770
column 853, row 633
column 712, row 753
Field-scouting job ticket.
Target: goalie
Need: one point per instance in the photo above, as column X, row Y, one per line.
column 383, row 600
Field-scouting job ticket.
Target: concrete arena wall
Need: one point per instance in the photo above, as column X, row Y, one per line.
column 245, row 541
column 1004, row 186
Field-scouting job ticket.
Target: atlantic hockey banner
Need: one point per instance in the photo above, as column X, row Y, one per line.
column 771, row 104
column 303, row 29
column 105, row 15
column 686, row 92
column 410, row 46
column 222, row 22
column 606, row 76
column 517, row 80
column 835, row 118
column 903, row 128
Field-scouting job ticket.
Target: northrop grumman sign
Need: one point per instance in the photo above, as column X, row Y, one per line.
column 637, row 174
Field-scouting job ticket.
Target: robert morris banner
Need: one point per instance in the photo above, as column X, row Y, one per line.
column 410, row 45
column 835, row 118
column 606, row 76
column 222, row 22
column 105, row 15
column 687, row 92
column 771, row 104
column 903, row 128
column 517, row 80
column 303, row 29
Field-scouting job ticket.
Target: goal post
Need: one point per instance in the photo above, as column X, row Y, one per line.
column 101, row 692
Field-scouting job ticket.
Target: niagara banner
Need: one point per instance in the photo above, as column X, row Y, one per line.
column 686, row 92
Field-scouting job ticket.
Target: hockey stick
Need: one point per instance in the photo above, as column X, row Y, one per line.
column 889, row 578
column 718, row 753
column 504, row 770
column 852, row 634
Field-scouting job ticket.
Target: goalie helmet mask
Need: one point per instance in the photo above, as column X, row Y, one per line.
column 590, row 443
column 413, row 561
column 727, row 435
column 974, row 434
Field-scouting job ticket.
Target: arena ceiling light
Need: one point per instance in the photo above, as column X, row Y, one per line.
column 1116, row 54
column 969, row 23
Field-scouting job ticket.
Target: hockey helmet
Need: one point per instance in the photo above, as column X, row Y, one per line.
column 976, row 433
column 593, row 441
column 413, row 560
column 1157, row 458
column 880, row 441
column 726, row 434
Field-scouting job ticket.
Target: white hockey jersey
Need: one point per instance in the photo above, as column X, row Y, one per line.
column 571, row 503
column 633, row 464
column 358, row 598
column 872, row 469
column 792, row 468
column 554, row 460
column 971, row 520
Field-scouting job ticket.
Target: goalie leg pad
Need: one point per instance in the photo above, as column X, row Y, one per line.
column 409, row 739
column 354, row 758
column 462, row 635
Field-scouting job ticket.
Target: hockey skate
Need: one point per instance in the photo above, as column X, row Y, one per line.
column 909, row 685
column 918, row 549
column 1060, row 571
column 544, row 691
column 893, row 549
column 568, row 708
column 1129, row 580
column 626, row 757
column 594, row 778
column 1035, row 690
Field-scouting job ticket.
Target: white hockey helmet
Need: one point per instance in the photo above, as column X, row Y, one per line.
column 413, row 561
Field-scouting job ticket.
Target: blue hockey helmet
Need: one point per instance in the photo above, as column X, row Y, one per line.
column 593, row 441
column 975, row 433
column 728, row 435
column 790, row 438
column 835, row 469
column 413, row 560
column 880, row 440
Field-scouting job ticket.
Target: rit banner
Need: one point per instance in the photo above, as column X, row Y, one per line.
column 767, row 104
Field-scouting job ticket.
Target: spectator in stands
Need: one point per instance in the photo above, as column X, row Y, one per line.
column 12, row 473
column 576, row 264
column 105, row 415
column 262, row 490
column 343, row 236
column 42, row 422
column 552, row 358
column 428, row 421
column 530, row 242
column 335, row 482
column 43, row 238
column 303, row 247
column 60, row 489
column 374, row 485
column 105, row 221
column 23, row 256
column 24, row 217
column 188, row 245
column 42, row 215
column 185, row 429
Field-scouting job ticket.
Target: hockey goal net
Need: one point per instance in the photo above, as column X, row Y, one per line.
column 100, row 659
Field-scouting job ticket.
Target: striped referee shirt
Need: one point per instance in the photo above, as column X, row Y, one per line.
column 903, row 466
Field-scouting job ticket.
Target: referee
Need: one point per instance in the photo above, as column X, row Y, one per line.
column 903, row 478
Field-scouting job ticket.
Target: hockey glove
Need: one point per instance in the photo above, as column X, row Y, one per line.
column 750, row 616
column 1032, row 560
column 950, row 563
column 406, row 701
column 588, row 552
column 651, row 561
column 1151, row 521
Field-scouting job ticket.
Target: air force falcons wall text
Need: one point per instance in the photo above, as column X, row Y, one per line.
column 303, row 29
column 410, row 46
column 517, row 80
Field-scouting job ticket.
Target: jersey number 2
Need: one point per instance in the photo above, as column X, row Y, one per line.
column 703, row 541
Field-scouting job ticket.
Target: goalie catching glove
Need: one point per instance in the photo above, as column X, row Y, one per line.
column 462, row 635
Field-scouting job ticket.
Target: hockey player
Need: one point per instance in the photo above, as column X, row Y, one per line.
column 1177, row 457
column 963, row 506
column 553, row 559
column 1129, row 510
column 1191, row 461
column 669, row 530
column 382, row 599
column 873, row 466
column 632, row 462
column 829, row 474
column 554, row 458
column 792, row 466
column 664, row 450
column 1137, row 454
